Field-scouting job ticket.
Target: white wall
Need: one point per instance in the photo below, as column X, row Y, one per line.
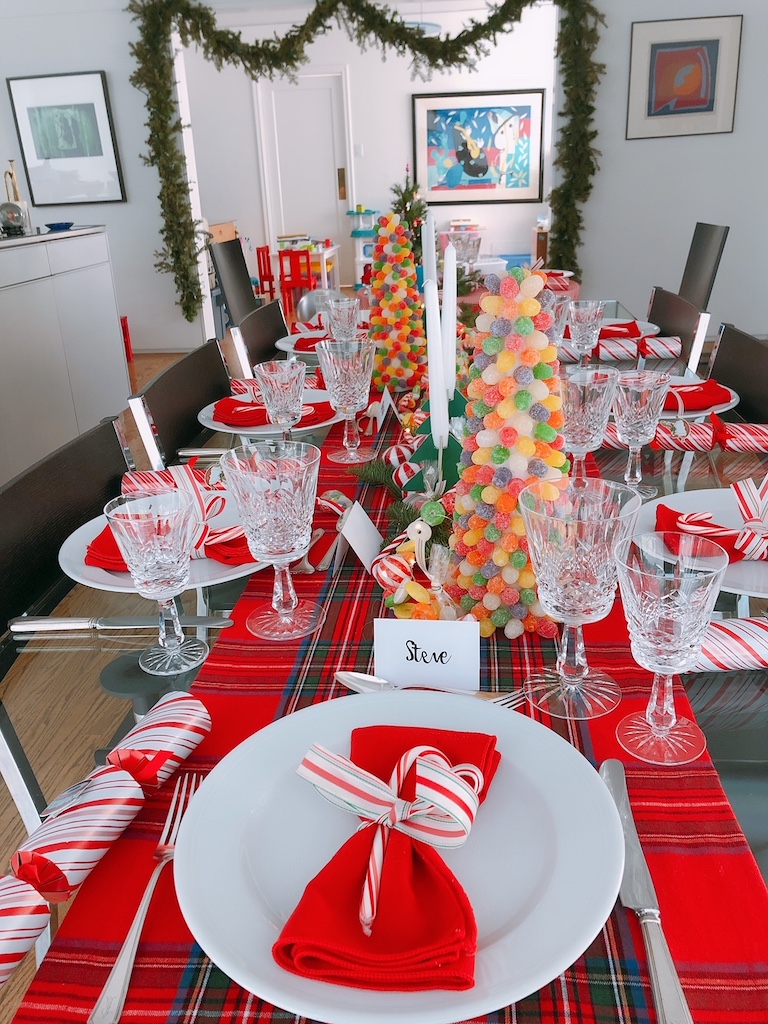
column 647, row 197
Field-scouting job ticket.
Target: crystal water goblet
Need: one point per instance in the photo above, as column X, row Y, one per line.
column 347, row 367
column 584, row 318
column 342, row 318
column 557, row 304
column 273, row 484
column 587, row 396
column 637, row 408
column 669, row 583
column 155, row 532
column 572, row 532
column 281, row 383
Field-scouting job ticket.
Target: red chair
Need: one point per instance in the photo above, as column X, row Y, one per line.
column 266, row 274
column 295, row 275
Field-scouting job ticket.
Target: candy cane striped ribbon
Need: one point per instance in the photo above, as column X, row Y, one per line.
column 751, row 540
column 442, row 813
column 731, row 644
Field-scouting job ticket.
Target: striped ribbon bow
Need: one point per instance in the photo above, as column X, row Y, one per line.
column 751, row 540
column 442, row 813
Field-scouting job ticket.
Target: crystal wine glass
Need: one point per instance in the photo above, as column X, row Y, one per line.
column 637, row 408
column 282, row 387
column 587, row 396
column 155, row 533
column 557, row 304
column 347, row 367
column 584, row 318
column 669, row 584
column 273, row 484
column 572, row 532
column 342, row 318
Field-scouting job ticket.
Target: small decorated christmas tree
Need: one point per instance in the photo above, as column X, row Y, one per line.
column 411, row 209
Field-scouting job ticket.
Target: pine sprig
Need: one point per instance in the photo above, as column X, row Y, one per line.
column 377, row 472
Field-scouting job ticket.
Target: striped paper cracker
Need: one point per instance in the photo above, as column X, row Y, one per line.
column 24, row 916
column 59, row 855
column 611, row 349
column 731, row 644
column 166, row 736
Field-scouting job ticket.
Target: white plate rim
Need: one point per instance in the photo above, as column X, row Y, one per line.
column 205, row 416
column 746, row 577
column 589, row 862
column 203, row 572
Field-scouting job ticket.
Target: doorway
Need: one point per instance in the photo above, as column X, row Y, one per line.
column 305, row 156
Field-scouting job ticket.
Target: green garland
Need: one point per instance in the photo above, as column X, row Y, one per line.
column 368, row 25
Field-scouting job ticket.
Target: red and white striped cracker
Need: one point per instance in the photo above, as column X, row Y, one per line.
column 24, row 915
column 391, row 570
column 60, row 854
column 626, row 348
column 731, row 644
column 248, row 387
column 397, row 454
column 169, row 732
column 405, row 472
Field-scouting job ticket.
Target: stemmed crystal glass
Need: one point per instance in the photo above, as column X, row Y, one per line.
column 584, row 318
column 557, row 304
column 342, row 318
column 571, row 533
column 273, row 484
column 637, row 408
column 587, row 396
column 282, row 387
column 155, row 532
column 669, row 584
column 347, row 367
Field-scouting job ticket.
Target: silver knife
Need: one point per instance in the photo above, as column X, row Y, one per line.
column 638, row 894
column 43, row 624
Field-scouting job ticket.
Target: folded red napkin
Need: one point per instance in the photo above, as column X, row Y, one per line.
column 424, row 934
column 103, row 551
column 739, row 543
column 696, row 397
column 236, row 413
column 631, row 329
column 307, row 344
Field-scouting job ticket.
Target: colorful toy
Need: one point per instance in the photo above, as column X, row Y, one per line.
column 397, row 324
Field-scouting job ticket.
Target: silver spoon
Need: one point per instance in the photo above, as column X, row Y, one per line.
column 305, row 566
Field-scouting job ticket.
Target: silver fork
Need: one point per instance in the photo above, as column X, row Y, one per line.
column 360, row 682
column 109, row 1005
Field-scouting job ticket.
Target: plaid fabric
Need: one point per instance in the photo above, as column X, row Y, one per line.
column 713, row 899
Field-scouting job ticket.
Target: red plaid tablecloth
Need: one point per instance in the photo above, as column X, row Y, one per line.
column 713, row 899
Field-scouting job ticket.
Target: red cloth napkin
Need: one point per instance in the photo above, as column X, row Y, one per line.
column 425, row 935
column 103, row 552
column 307, row 344
column 668, row 520
column 696, row 397
column 628, row 330
column 236, row 413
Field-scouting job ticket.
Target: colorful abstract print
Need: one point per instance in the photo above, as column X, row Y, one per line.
column 479, row 148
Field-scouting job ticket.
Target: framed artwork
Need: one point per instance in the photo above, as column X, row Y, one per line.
column 67, row 140
column 479, row 147
column 682, row 76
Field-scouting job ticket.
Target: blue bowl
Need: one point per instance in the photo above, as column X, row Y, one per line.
column 60, row 225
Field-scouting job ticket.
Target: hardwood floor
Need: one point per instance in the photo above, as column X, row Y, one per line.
column 57, row 706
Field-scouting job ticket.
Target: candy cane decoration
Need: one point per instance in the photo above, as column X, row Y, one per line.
column 442, row 813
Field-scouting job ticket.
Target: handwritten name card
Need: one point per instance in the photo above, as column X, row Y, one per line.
column 442, row 655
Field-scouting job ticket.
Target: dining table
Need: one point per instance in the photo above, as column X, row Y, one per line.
column 713, row 898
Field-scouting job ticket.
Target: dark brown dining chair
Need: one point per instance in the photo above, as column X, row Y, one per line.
column 253, row 340
column 702, row 264
column 676, row 317
column 234, row 279
column 740, row 361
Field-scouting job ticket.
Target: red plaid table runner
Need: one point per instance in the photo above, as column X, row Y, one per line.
column 713, row 899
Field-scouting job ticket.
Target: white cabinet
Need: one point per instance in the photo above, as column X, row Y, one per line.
column 62, row 361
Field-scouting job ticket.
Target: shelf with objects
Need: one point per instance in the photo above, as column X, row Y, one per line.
column 363, row 235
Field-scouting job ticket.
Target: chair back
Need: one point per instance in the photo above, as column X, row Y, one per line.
column 313, row 302
column 740, row 362
column 703, row 260
column 254, row 339
column 266, row 273
column 676, row 317
column 165, row 411
column 234, row 279
column 295, row 274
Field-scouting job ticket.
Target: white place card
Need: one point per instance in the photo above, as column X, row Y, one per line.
column 386, row 403
column 364, row 539
column 440, row 654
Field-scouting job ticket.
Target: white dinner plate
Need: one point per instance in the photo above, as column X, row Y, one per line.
column 747, row 577
column 645, row 327
column 700, row 414
column 205, row 416
column 542, row 865
column 203, row 572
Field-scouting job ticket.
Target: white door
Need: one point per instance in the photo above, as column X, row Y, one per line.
column 305, row 160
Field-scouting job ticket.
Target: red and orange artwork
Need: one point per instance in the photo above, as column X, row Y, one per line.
column 682, row 78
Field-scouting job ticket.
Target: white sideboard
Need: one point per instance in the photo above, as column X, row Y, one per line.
column 62, row 359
